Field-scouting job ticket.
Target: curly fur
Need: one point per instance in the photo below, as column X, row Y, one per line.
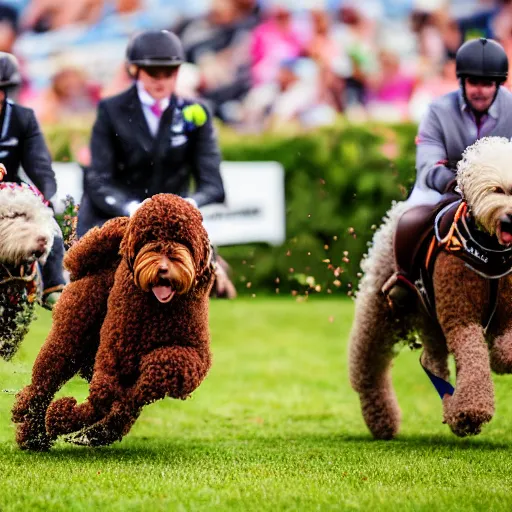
column 148, row 347
column 484, row 178
column 27, row 229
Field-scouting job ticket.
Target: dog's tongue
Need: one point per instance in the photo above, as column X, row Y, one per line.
column 163, row 293
column 506, row 237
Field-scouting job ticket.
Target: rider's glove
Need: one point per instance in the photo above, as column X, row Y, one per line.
column 132, row 207
column 192, row 201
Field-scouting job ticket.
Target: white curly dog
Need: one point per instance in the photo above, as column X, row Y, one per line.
column 27, row 230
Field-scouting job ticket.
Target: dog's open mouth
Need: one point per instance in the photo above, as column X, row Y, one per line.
column 163, row 291
column 504, row 232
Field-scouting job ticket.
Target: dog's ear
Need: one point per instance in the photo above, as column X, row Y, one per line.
column 210, row 260
column 127, row 248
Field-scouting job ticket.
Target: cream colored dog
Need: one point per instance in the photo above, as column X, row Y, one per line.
column 471, row 300
column 27, row 230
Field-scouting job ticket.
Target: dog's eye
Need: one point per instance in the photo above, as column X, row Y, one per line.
column 498, row 190
column 13, row 215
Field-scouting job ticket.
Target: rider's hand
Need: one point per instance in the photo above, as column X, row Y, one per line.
column 450, row 187
column 132, row 207
column 191, row 201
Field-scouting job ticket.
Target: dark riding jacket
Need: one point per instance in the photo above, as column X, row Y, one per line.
column 129, row 164
column 22, row 144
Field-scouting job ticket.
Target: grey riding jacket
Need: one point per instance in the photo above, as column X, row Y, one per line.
column 447, row 129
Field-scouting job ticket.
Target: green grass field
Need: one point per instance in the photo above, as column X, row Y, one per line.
column 275, row 426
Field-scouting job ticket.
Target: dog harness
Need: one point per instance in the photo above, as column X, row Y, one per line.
column 27, row 274
column 455, row 232
column 480, row 251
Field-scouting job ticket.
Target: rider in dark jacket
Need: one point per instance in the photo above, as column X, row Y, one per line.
column 147, row 140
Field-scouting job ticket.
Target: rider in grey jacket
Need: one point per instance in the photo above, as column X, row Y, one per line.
column 480, row 108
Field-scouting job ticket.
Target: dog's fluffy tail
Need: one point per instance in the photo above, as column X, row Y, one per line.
column 97, row 250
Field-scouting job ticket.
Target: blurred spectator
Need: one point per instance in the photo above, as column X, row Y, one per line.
column 275, row 40
column 480, row 24
column 294, row 99
column 9, row 18
column 333, row 86
column 389, row 90
column 8, row 27
column 356, row 35
column 430, row 88
column 264, row 98
column 44, row 15
column 502, row 20
column 119, row 83
column 322, row 47
column 235, row 49
column 218, row 44
column 430, row 44
column 71, row 94
column 221, row 27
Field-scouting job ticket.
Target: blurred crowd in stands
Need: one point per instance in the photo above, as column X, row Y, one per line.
column 258, row 64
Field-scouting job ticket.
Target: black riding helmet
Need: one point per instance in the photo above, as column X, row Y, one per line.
column 10, row 75
column 154, row 48
column 482, row 58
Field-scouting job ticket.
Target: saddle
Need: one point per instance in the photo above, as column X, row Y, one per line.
column 422, row 232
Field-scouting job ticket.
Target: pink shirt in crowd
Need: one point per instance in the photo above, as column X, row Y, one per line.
column 398, row 88
column 270, row 45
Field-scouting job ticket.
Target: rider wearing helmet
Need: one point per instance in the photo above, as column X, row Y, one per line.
column 480, row 108
column 148, row 140
column 22, row 144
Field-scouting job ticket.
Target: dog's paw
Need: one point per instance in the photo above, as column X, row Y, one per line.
column 466, row 421
column 94, row 436
column 27, row 405
column 19, row 412
column 60, row 417
column 79, row 438
column 31, row 435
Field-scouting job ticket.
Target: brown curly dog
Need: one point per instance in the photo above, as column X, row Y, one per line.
column 152, row 305
column 471, row 311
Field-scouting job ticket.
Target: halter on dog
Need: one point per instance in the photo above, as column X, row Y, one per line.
column 455, row 232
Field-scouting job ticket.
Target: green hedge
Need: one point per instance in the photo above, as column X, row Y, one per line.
column 339, row 183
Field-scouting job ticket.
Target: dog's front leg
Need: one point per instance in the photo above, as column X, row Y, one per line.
column 70, row 346
column 461, row 298
column 65, row 416
column 167, row 371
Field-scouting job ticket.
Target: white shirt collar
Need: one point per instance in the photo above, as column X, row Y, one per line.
column 148, row 100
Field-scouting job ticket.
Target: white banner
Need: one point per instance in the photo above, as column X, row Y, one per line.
column 254, row 210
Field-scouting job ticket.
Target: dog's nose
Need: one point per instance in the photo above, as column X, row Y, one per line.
column 509, row 218
column 162, row 268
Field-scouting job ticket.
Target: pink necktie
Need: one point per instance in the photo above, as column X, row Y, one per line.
column 155, row 108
